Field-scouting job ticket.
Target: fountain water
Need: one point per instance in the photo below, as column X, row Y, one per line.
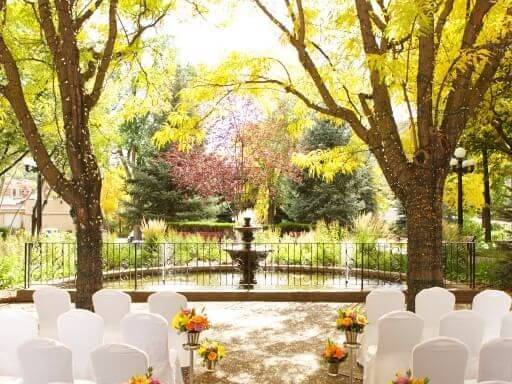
column 246, row 255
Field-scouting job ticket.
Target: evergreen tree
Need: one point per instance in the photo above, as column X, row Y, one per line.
column 312, row 198
column 153, row 194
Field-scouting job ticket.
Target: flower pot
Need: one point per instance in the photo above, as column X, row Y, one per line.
column 334, row 369
column 210, row 365
column 193, row 338
column 351, row 337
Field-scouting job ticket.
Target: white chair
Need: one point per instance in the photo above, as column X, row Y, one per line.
column 431, row 304
column 492, row 305
column 50, row 302
column 82, row 332
column 398, row 333
column 495, row 382
column 442, row 359
column 379, row 302
column 112, row 306
column 495, row 362
column 468, row 327
column 148, row 332
column 44, row 361
column 506, row 325
column 167, row 304
column 116, row 363
column 16, row 327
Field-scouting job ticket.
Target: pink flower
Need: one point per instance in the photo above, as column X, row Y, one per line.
column 401, row 380
column 154, row 381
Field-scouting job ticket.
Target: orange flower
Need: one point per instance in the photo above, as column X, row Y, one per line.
column 347, row 322
column 339, row 354
column 212, row 356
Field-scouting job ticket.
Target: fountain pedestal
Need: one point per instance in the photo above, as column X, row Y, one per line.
column 246, row 256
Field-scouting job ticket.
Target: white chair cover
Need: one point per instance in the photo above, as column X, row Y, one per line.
column 379, row 302
column 495, row 382
column 468, row 327
column 16, row 327
column 167, row 304
column 398, row 333
column 496, row 360
column 506, row 325
column 442, row 359
column 116, row 363
column 44, row 361
column 112, row 306
column 431, row 305
column 82, row 332
column 148, row 332
column 492, row 305
column 50, row 302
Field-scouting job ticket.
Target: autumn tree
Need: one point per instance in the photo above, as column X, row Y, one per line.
column 67, row 49
column 376, row 63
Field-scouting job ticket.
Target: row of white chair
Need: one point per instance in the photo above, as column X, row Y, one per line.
column 432, row 304
column 46, row 361
column 111, row 305
column 81, row 332
column 445, row 360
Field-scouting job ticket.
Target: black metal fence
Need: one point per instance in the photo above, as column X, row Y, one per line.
column 209, row 265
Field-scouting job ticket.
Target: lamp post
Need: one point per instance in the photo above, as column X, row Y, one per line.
column 460, row 167
column 30, row 166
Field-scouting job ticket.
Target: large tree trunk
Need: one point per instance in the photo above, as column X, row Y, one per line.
column 423, row 209
column 89, row 253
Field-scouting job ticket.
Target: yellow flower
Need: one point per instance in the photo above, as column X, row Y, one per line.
column 361, row 320
column 139, row 380
column 221, row 351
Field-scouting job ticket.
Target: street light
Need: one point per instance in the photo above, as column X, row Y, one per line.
column 31, row 166
column 460, row 167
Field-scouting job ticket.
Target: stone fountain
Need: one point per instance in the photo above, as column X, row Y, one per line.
column 246, row 255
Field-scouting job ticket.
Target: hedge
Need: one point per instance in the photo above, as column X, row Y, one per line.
column 205, row 226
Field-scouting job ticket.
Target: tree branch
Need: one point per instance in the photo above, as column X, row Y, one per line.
column 14, row 163
column 80, row 20
column 93, row 97
column 441, row 22
column 13, row 92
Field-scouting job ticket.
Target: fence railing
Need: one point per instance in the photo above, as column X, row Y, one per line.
column 200, row 265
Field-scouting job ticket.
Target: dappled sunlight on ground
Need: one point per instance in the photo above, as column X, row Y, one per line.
column 272, row 342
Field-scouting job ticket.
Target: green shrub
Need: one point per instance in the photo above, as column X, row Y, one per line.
column 367, row 228
column 4, row 232
column 288, row 226
column 200, row 226
column 12, row 254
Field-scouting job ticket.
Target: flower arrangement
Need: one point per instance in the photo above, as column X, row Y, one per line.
column 351, row 319
column 144, row 379
column 333, row 353
column 409, row 379
column 211, row 350
column 187, row 320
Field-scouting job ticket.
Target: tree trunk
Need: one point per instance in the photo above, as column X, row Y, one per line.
column 423, row 210
column 89, row 253
column 486, row 210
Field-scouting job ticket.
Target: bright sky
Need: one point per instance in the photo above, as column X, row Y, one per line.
column 208, row 41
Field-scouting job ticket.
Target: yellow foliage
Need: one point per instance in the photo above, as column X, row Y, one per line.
column 327, row 163
column 473, row 192
column 112, row 192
